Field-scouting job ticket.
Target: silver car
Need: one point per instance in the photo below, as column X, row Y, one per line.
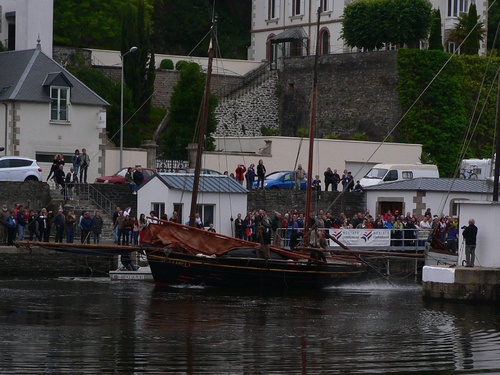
column 18, row 168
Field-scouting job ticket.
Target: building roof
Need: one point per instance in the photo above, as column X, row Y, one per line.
column 26, row 76
column 208, row 183
column 293, row 33
column 458, row 185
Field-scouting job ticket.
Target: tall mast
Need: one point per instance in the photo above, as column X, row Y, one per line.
column 312, row 132
column 203, row 124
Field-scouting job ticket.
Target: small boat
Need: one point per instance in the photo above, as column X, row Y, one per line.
column 130, row 270
column 185, row 254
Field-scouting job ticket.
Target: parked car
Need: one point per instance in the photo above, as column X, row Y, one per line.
column 18, row 168
column 119, row 177
column 281, row 180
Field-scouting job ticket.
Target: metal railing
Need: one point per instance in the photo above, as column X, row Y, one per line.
column 89, row 192
column 365, row 238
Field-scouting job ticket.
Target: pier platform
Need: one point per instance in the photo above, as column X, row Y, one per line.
column 459, row 283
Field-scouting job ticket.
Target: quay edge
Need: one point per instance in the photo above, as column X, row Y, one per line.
column 461, row 283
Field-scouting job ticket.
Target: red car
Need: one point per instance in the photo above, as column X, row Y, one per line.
column 119, row 177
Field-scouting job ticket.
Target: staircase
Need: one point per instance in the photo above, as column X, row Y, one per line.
column 79, row 204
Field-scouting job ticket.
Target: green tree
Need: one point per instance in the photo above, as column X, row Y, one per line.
column 184, row 113
column 407, row 21
column 462, row 29
column 493, row 24
column 180, row 26
column 89, row 23
column 471, row 44
column 438, row 118
column 435, row 35
column 139, row 70
column 371, row 23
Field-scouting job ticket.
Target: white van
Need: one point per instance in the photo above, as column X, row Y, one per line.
column 382, row 173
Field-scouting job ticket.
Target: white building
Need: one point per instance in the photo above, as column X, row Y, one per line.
column 441, row 195
column 23, row 23
column 46, row 111
column 220, row 199
column 292, row 24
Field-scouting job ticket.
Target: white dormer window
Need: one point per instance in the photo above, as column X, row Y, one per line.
column 455, row 7
column 59, row 103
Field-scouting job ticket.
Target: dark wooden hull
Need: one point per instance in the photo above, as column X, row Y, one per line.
column 178, row 268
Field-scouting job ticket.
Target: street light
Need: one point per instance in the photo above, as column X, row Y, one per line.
column 133, row 49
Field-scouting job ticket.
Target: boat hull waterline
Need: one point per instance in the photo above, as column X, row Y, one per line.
column 176, row 268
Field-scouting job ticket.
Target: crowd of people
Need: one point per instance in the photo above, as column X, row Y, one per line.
column 278, row 228
column 19, row 223
column 77, row 172
column 332, row 179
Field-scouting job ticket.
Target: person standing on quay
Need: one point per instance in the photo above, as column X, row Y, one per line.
column 261, row 174
column 470, row 236
column 240, row 173
column 84, row 166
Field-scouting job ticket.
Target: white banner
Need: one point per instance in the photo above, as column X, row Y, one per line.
column 361, row 237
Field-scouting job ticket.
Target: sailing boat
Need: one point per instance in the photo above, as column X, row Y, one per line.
column 185, row 254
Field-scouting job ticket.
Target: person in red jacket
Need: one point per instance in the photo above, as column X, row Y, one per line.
column 240, row 173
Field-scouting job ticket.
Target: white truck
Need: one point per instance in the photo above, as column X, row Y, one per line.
column 382, row 173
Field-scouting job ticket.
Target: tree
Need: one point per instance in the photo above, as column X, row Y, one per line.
column 493, row 25
column 90, row 23
column 139, row 70
column 184, row 113
column 435, row 36
column 370, row 24
column 471, row 44
column 463, row 27
column 438, row 119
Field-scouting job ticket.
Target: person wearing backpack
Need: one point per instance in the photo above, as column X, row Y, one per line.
column 11, row 223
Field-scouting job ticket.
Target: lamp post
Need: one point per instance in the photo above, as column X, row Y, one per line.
column 133, row 49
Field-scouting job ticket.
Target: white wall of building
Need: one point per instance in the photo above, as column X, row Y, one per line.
column 36, row 134
column 226, row 205
column 487, row 216
column 333, row 153
column 432, row 200
column 231, row 67
column 34, row 21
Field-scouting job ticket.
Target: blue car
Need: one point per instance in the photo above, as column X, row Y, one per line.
column 281, row 180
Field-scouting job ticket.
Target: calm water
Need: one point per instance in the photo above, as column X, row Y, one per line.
column 96, row 326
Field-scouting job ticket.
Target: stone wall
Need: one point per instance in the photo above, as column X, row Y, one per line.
column 167, row 79
column 356, row 93
column 38, row 263
column 32, row 195
column 246, row 115
column 285, row 200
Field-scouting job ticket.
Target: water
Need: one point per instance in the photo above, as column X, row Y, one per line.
column 91, row 326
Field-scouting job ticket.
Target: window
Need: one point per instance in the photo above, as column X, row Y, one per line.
column 392, row 175
column 296, row 7
column 324, row 38
column 59, row 106
column 407, row 175
column 158, row 208
column 455, row 7
column 326, row 5
column 207, row 213
column 272, row 9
